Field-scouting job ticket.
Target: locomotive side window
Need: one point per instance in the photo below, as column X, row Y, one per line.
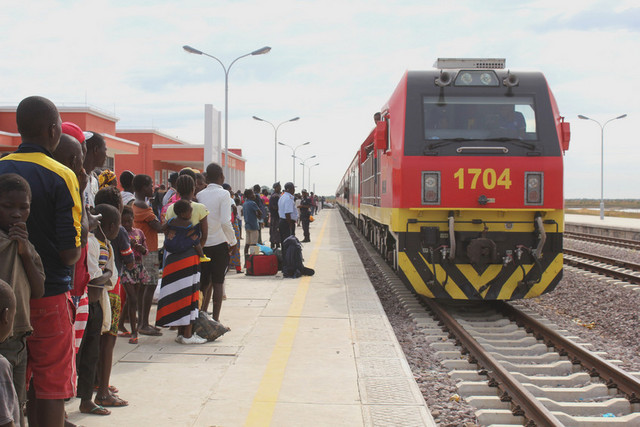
column 465, row 118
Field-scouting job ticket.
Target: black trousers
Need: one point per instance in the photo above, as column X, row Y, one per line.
column 305, row 228
column 285, row 229
column 213, row 272
column 89, row 352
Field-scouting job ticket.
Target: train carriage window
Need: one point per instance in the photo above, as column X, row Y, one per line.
column 479, row 118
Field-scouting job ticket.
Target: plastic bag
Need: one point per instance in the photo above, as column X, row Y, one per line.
column 265, row 249
column 208, row 328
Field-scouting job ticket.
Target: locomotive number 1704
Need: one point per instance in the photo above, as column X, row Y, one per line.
column 490, row 178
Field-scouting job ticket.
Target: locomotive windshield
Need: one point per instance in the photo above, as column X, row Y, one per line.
column 472, row 118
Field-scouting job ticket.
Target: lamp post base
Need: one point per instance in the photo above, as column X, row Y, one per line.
column 602, row 210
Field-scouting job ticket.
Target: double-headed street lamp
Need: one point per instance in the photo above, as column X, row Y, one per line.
column 302, row 163
column 275, row 142
column 311, row 167
column 260, row 51
column 601, row 156
column 293, row 156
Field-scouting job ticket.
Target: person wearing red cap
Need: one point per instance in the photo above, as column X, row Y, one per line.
column 74, row 130
column 69, row 153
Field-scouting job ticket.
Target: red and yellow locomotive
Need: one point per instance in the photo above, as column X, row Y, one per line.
column 460, row 184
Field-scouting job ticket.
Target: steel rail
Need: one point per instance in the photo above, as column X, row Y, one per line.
column 533, row 409
column 595, row 365
column 606, row 260
column 612, row 241
column 607, row 270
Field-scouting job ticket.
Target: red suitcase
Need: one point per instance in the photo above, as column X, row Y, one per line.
column 261, row 265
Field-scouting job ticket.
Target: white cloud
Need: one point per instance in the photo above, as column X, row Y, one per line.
column 333, row 64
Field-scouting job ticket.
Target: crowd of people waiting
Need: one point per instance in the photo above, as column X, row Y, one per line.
column 80, row 258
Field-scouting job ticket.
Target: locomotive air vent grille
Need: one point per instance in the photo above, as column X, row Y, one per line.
column 489, row 65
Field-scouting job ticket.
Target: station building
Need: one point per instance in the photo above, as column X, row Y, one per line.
column 142, row 151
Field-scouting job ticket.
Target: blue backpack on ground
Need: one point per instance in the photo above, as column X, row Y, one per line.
column 292, row 265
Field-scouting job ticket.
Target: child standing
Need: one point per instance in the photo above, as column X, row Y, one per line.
column 20, row 265
column 123, row 256
column 147, row 221
column 136, row 277
column 9, row 405
column 103, row 276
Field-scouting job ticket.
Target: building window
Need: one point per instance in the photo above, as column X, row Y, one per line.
column 110, row 163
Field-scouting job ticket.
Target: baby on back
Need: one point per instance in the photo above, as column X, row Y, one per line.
column 181, row 234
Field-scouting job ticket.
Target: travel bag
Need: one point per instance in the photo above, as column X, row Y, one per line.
column 261, row 265
column 292, row 265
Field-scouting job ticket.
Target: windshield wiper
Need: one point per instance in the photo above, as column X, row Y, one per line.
column 516, row 141
column 447, row 141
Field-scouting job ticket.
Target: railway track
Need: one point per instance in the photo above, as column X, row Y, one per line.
column 611, row 241
column 611, row 267
column 521, row 371
column 516, row 369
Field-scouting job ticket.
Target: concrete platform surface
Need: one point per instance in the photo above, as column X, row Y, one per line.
column 312, row 351
column 607, row 222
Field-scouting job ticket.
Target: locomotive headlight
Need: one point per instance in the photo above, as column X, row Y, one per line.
column 466, row 78
column 430, row 188
column 533, row 192
column 486, row 78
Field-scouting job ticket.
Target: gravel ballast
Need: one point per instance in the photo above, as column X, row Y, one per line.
column 594, row 308
column 600, row 310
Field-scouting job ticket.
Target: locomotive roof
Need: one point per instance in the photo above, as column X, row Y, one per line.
column 421, row 74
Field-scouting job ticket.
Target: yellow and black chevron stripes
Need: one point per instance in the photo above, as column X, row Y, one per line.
column 462, row 281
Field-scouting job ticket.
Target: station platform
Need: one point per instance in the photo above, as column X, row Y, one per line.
column 625, row 228
column 312, row 351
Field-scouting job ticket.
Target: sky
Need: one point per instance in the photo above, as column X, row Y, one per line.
column 333, row 63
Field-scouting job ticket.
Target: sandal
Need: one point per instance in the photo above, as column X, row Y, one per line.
column 133, row 340
column 97, row 410
column 124, row 334
column 112, row 389
column 111, row 402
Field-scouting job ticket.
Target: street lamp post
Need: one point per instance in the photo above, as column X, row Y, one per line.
column 311, row 167
column 275, row 143
column 293, row 156
column 302, row 163
column 260, row 51
column 601, row 156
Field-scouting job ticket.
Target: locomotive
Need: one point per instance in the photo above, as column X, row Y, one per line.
column 460, row 183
